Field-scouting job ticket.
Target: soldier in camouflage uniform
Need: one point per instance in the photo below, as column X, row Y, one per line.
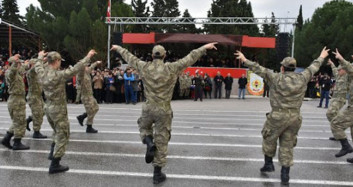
column 16, row 104
column 287, row 90
column 188, row 84
column 89, row 102
column 339, row 92
column 343, row 119
column 182, row 85
column 53, row 81
column 35, row 101
column 159, row 79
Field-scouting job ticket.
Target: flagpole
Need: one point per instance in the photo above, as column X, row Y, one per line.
column 109, row 28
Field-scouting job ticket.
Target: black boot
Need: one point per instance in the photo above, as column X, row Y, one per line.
column 332, row 139
column 55, row 166
column 158, row 176
column 38, row 135
column 50, row 157
column 151, row 149
column 90, row 129
column 285, row 175
column 17, row 145
column 268, row 167
column 29, row 120
column 350, row 160
column 6, row 140
column 346, row 148
column 80, row 118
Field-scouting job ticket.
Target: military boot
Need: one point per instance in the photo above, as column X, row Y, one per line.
column 50, row 157
column 346, row 148
column 38, row 135
column 17, row 145
column 350, row 160
column 80, row 118
column 90, row 129
column 55, row 166
column 158, row 176
column 332, row 139
column 285, row 175
column 28, row 120
column 268, row 167
column 6, row 140
column 151, row 149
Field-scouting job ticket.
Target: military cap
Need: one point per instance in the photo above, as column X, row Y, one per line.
column 289, row 62
column 53, row 55
column 158, row 51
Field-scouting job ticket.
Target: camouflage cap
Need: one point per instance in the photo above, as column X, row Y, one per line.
column 13, row 59
column 289, row 62
column 53, row 55
column 158, row 50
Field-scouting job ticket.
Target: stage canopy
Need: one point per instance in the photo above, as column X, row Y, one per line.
column 235, row 40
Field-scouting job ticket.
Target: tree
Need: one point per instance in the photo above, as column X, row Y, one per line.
column 231, row 8
column 331, row 26
column 300, row 19
column 188, row 28
column 10, row 12
column 140, row 10
column 165, row 8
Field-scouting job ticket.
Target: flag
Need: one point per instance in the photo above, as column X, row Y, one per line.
column 108, row 11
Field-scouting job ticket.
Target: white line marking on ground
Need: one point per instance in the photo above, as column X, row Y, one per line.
column 180, row 176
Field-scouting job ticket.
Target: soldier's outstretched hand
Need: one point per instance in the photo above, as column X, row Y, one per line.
column 114, row 47
column 91, row 53
column 240, row 56
column 42, row 54
column 211, row 45
column 324, row 52
column 338, row 55
column 99, row 62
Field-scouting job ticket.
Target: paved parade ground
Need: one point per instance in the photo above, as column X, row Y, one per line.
column 214, row 143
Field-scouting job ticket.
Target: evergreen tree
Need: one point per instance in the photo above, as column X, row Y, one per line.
column 300, row 19
column 140, row 10
column 188, row 28
column 10, row 12
column 165, row 8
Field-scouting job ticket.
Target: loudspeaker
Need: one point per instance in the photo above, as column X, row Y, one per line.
column 117, row 38
column 283, row 45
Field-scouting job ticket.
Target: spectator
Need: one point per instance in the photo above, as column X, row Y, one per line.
column 218, row 84
column 208, row 86
column 325, row 90
column 228, row 81
column 198, row 82
column 129, row 94
column 2, row 89
column 109, row 88
column 98, row 86
column 243, row 81
column 135, row 85
column 120, row 87
column 266, row 89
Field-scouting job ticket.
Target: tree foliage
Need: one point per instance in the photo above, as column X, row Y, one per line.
column 165, row 8
column 140, row 9
column 300, row 19
column 9, row 12
column 231, row 8
column 331, row 26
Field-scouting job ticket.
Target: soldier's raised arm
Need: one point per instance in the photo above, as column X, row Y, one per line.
column 14, row 61
column 333, row 67
column 191, row 58
column 315, row 65
column 131, row 59
column 344, row 63
column 255, row 67
column 39, row 64
column 70, row 72
column 94, row 65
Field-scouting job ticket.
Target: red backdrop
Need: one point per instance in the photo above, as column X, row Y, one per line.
column 212, row 72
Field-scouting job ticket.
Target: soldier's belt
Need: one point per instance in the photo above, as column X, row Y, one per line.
column 296, row 110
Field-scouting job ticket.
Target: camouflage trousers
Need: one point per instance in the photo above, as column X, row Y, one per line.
column 182, row 92
column 335, row 106
column 78, row 95
column 161, row 117
column 187, row 92
column 58, row 120
column 17, row 108
column 283, row 125
column 91, row 107
column 36, row 104
column 341, row 122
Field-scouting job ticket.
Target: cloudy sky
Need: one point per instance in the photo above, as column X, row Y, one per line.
column 261, row 8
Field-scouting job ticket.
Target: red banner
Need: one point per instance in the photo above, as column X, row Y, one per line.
column 212, row 72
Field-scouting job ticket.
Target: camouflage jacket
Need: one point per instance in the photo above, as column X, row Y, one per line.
column 349, row 69
column 14, row 80
column 54, row 81
column 287, row 89
column 85, row 80
column 34, row 86
column 188, row 81
column 182, row 82
column 341, row 86
column 159, row 78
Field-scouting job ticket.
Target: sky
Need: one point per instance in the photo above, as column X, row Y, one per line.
column 261, row 8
